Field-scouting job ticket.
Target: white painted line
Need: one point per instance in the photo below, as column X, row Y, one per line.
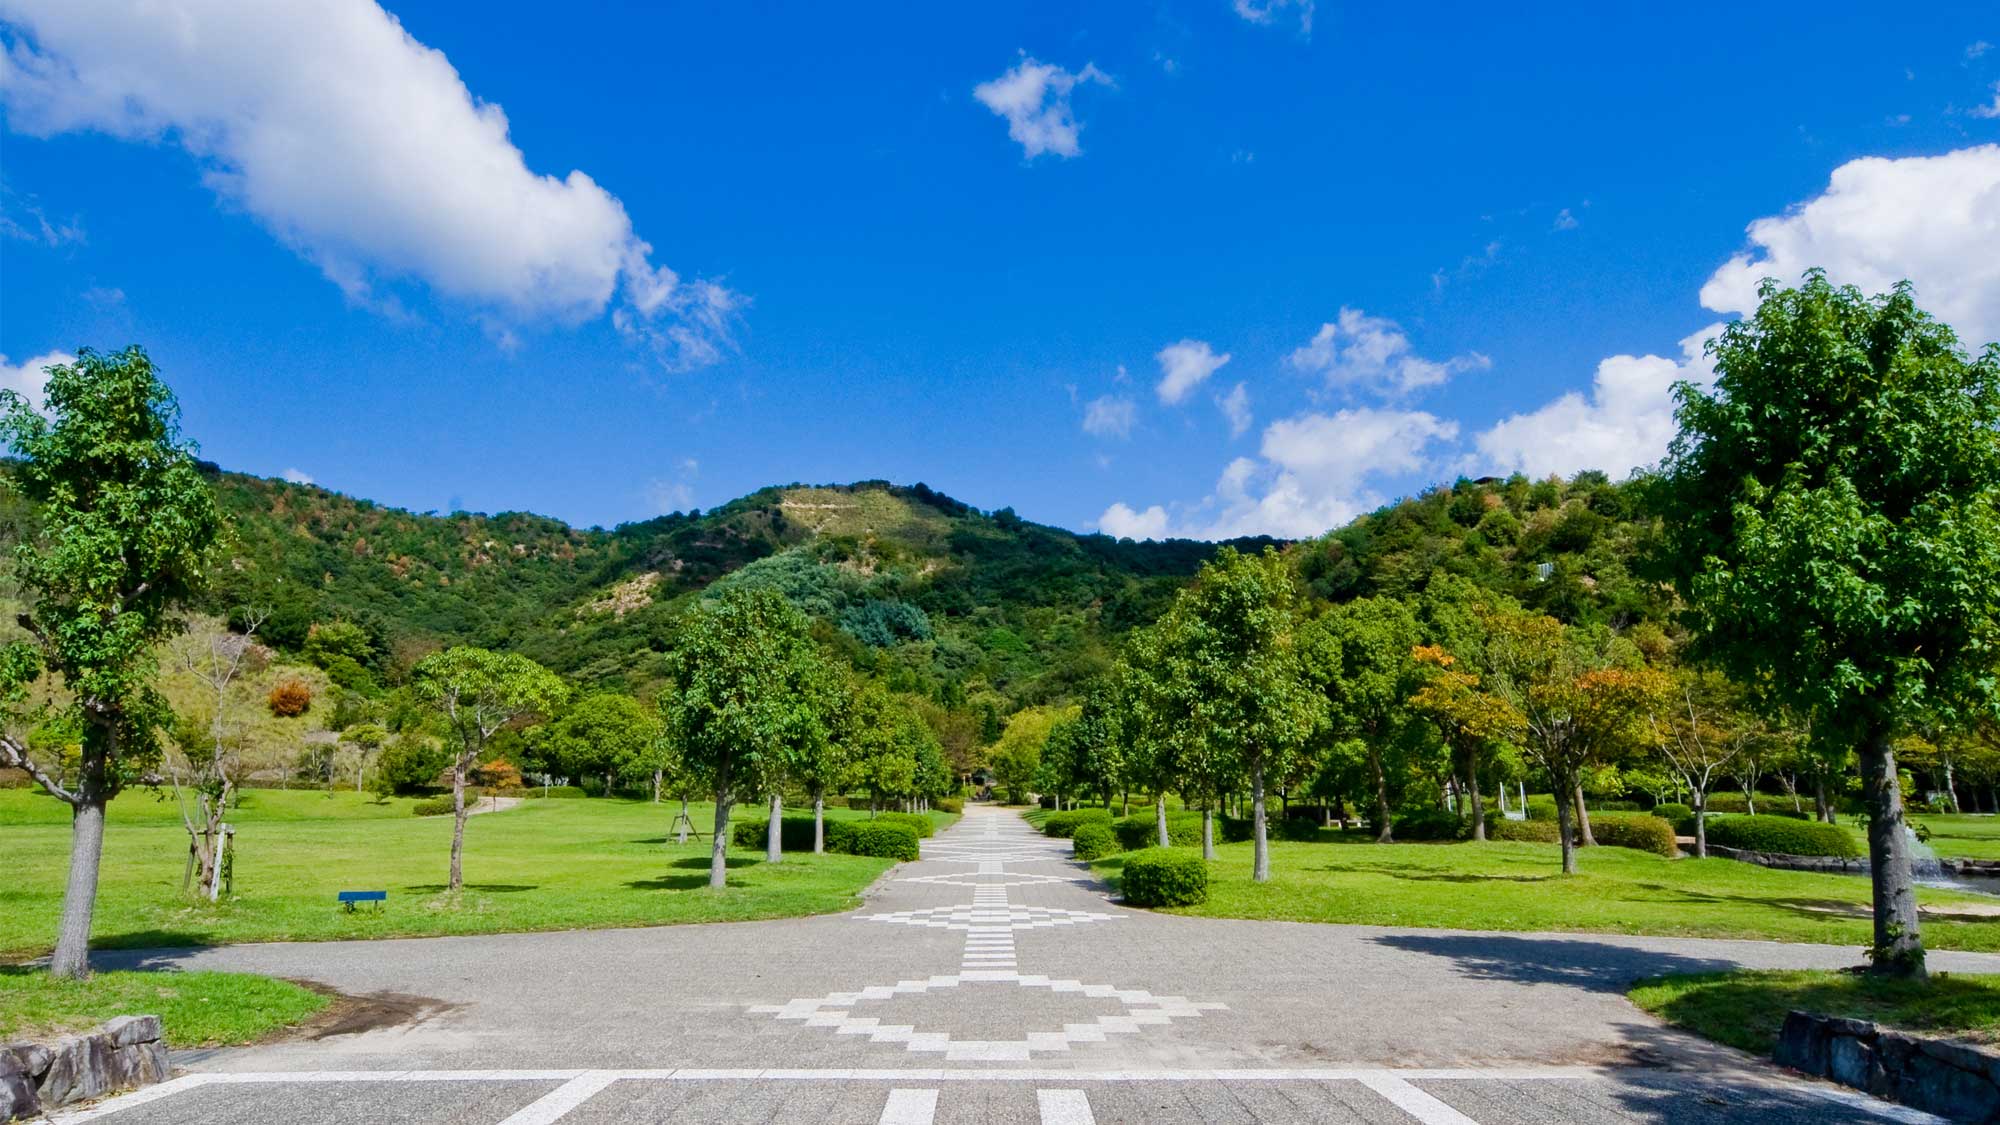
column 915, row 1074
column 1065, row 1107
column 1415, row 1102
column 552, row 1106
column 909, row 1107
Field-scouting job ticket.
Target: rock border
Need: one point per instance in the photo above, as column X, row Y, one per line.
column 1947, row 1077
column 119, row 1054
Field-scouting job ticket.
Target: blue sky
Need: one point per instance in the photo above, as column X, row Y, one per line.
column 810, row 242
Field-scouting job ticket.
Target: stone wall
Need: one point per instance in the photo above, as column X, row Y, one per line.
column 1942, row 1076
column 119, row 1055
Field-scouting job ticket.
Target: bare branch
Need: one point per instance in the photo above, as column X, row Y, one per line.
column 13, row 754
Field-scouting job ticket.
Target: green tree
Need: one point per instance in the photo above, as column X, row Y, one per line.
column 124, row 526
column 476, row 693
column 1831, row 516
column 1367, row 673
column 745, row 670
column 1156, row 722
column 603, row 734
column 1468, row 717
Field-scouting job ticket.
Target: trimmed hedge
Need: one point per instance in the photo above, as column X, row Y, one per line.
column 918, row 822
column 953, row 805
column 432, row 806
column 794, row 832
column 1065, row 824
column 877, row 838
column 1541, row 806
column 1093, row 840
column 567, row 792
column 1419, row 825
column 1141, row 830
column 1612, row 806
column 1635, row 830
column 1781, row 835
column 1165, row 877
column 1673, row 812
column 1524, row 831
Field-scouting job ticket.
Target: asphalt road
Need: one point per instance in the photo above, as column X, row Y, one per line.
column 993, row 981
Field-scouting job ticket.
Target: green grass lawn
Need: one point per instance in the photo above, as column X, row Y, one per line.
column 196, row 1009
column 546, row 865
column 1747, row 1008
column 1962, row 836
column 1510, row 886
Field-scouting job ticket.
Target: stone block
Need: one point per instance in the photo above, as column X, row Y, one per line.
column 1964, row 1056
column 127, row 1031
column 1939, row 1087
column 31, row 1059
column 1852, row 1062
column 17, row 1095
column 76, row 1070
column 1802, row 1043
column 153, row 1064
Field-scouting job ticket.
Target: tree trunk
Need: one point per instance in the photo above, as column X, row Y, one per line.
column 1563, row 813
column 683, row 823
column 1820, row 803
column 1260, row 863
column 774, row 835
column 1207, row 832
column 1125, row 801
column 86, row 849
column 1750, row 799
column 657, row 778
column 1899, row 946
column 1950, row 786
column 718, row 865
column 1701, row 824
column 1160, row 817
column 1583, row 820
column 457, row 826
column 1385, row 832
column 819, row 822
column 1472, row 794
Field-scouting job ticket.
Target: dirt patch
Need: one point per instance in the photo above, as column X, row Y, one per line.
column 352, row 1015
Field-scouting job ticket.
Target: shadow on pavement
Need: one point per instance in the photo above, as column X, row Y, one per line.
column 1576, row 962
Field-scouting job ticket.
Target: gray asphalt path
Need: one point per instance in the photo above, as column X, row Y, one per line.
column 994, row 981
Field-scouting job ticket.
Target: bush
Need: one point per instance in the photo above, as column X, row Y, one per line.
column 918, row 822
column 794, row 832
column 1635, row 830
column 1524, row 831
column 1612, row 806
column 878, row 838
column 1094, row 840
column 435, row 806
column 1673, row 813
column 498, row 774
column 1430, row 824
column 290, row 699
column 1165, row 877
column 1781, row 835
column 554, row 792
column 1140, row 830
column 1064, row 824
column 953, row 805
column 1541, row 806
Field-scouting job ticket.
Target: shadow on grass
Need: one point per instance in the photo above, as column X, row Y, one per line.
column 491, row 888
column 1575, row 962
column 675, row 883
column 700, row 862
column 1434, row 876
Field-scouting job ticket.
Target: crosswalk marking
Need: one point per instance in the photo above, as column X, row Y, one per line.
column 909, row 1107
column 1064, row 1107
column 552, row 1106
column 1415, row 1102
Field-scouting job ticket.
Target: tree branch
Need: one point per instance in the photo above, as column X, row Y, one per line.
column 13, row 754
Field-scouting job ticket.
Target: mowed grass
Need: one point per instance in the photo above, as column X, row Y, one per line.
column 546, row 865
column 196, row 1009
column 1746, row 1009
column 1517, row 886
column 1962, row 835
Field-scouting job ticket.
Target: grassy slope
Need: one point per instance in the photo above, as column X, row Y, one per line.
column 197, row 1009
column 1507, row 886
column 1963, row 836
column 543, row 866
column 1746, row 1009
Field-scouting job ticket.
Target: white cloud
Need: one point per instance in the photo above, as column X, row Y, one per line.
column 1934, row 220
column 1267, row 11
column 1235, row 406
column 1110, row 416
column 675, row 493
column 34, row 225
column 1316, row 471
column 31, row 377
column 1034, row 98
column 361, row 149
column 1625, row 422
column 1184, row 366
column 1565, row 220
column 1992, row 110
column 1371, row 352
column 1974, row 50
column 297, row 476
column 1123, row 522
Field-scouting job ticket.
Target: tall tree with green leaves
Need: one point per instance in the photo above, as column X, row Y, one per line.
column 1367, row 674
column 476, row 693
column 1468, row 717
column 1831, row 516
column 745, row 671
column 1155, row 720
column 604, row 734
column 124, row 526
column 1236, row 639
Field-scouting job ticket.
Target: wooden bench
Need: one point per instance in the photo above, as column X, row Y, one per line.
column 349, row 898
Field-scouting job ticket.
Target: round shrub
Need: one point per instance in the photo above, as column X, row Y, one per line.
column 1141, row 830
column 1635, row 830
column 1673, row 812
column 794, row 832
column 1524, row 831
column 1781, row 835
column 879, row 838
column 1093, row 840
column 1064, row 824
column 290, row 699
column 555, row 792
column 1165, row 877
column 918, row 822
column 952, row 805
column 1430, row 824
column 1541, row 806
column 433, row 806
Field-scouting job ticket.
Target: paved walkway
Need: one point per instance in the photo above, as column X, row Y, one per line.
column 993, row 981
